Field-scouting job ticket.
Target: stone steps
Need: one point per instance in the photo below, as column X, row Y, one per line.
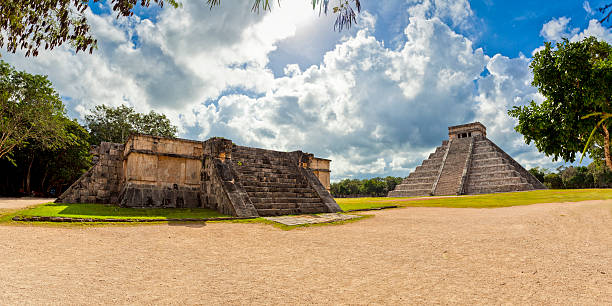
column 485, row 155
column 410, row 193
column 414, row 186
column 263, row 160
column 270, row 199
column 432, row 167
column 263, row 175
column 422, row 174
column 419, row 180
column 268, row 212
column 450, row 177
column 433, row 161
column 274, row 183
column 292, row 189
column 483, row 149
column 264, row 168
column 494, row 175
column 280, row 194
column 499, row 188
column 488, row 162
column 255, row 180
column 496, row 181
column 489, row 169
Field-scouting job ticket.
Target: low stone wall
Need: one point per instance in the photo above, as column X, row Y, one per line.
column 101, row 184
column 161, row 173
column 151, row 196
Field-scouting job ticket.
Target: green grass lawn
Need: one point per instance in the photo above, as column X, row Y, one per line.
column 482, row 201
column 100, row 211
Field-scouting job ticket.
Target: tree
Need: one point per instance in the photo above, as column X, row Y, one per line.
column 39, row 168
column 32, row 24
column 553, row 181
column 115, row 124
column 576, row 80
column 375, row 187
column 30, row 109
column 539, row 173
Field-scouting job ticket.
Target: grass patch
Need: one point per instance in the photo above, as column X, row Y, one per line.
column 101, row 211
column 482, row 201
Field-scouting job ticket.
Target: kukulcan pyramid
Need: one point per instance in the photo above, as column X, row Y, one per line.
column 467, row 163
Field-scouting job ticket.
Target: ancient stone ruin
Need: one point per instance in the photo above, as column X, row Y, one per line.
column 467, row 163
column 160, row 172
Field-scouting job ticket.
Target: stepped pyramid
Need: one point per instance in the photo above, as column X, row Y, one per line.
column 467, row 163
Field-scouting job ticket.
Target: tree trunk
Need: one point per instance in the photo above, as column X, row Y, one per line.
column 44, row 178
column 607, row 146
column 28, row 189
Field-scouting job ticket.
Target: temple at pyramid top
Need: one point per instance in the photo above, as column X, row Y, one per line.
column 467, row 130
column 467, row 163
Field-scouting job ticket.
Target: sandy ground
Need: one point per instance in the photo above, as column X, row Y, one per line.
column 537, row 254
column 11, row 203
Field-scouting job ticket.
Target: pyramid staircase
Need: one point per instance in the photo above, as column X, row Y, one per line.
column 467, row 163
column 274, row 183
column 420, row 182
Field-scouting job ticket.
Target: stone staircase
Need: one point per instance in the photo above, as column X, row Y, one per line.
column 453, row 168
column 420, row 182
column 492, row 171
column 274, row 183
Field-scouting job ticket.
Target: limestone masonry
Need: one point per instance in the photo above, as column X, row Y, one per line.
column 150, row 171
column 467, row 163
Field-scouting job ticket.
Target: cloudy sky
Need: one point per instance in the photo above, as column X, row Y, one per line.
column 376, row 99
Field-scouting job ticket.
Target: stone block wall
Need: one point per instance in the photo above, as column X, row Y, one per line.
column 320, row 168
column 101, row 184
column 161, row 172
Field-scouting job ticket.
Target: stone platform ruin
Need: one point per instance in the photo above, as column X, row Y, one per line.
column 467, row 163
column 159, row 172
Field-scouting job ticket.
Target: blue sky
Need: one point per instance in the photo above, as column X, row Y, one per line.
column 376, row 99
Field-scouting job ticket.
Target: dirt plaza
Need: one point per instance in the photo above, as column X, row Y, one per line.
column 544, row 253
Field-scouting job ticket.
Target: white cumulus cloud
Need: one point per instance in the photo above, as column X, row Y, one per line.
column 372, row 109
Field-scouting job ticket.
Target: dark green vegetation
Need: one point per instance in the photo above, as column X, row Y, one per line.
column 374, row 187
column 596, row 175
column 29, row 109
column 116, row 124
column 42, row 151
column 40, row 148
column 482, row 201
column 576, row 80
